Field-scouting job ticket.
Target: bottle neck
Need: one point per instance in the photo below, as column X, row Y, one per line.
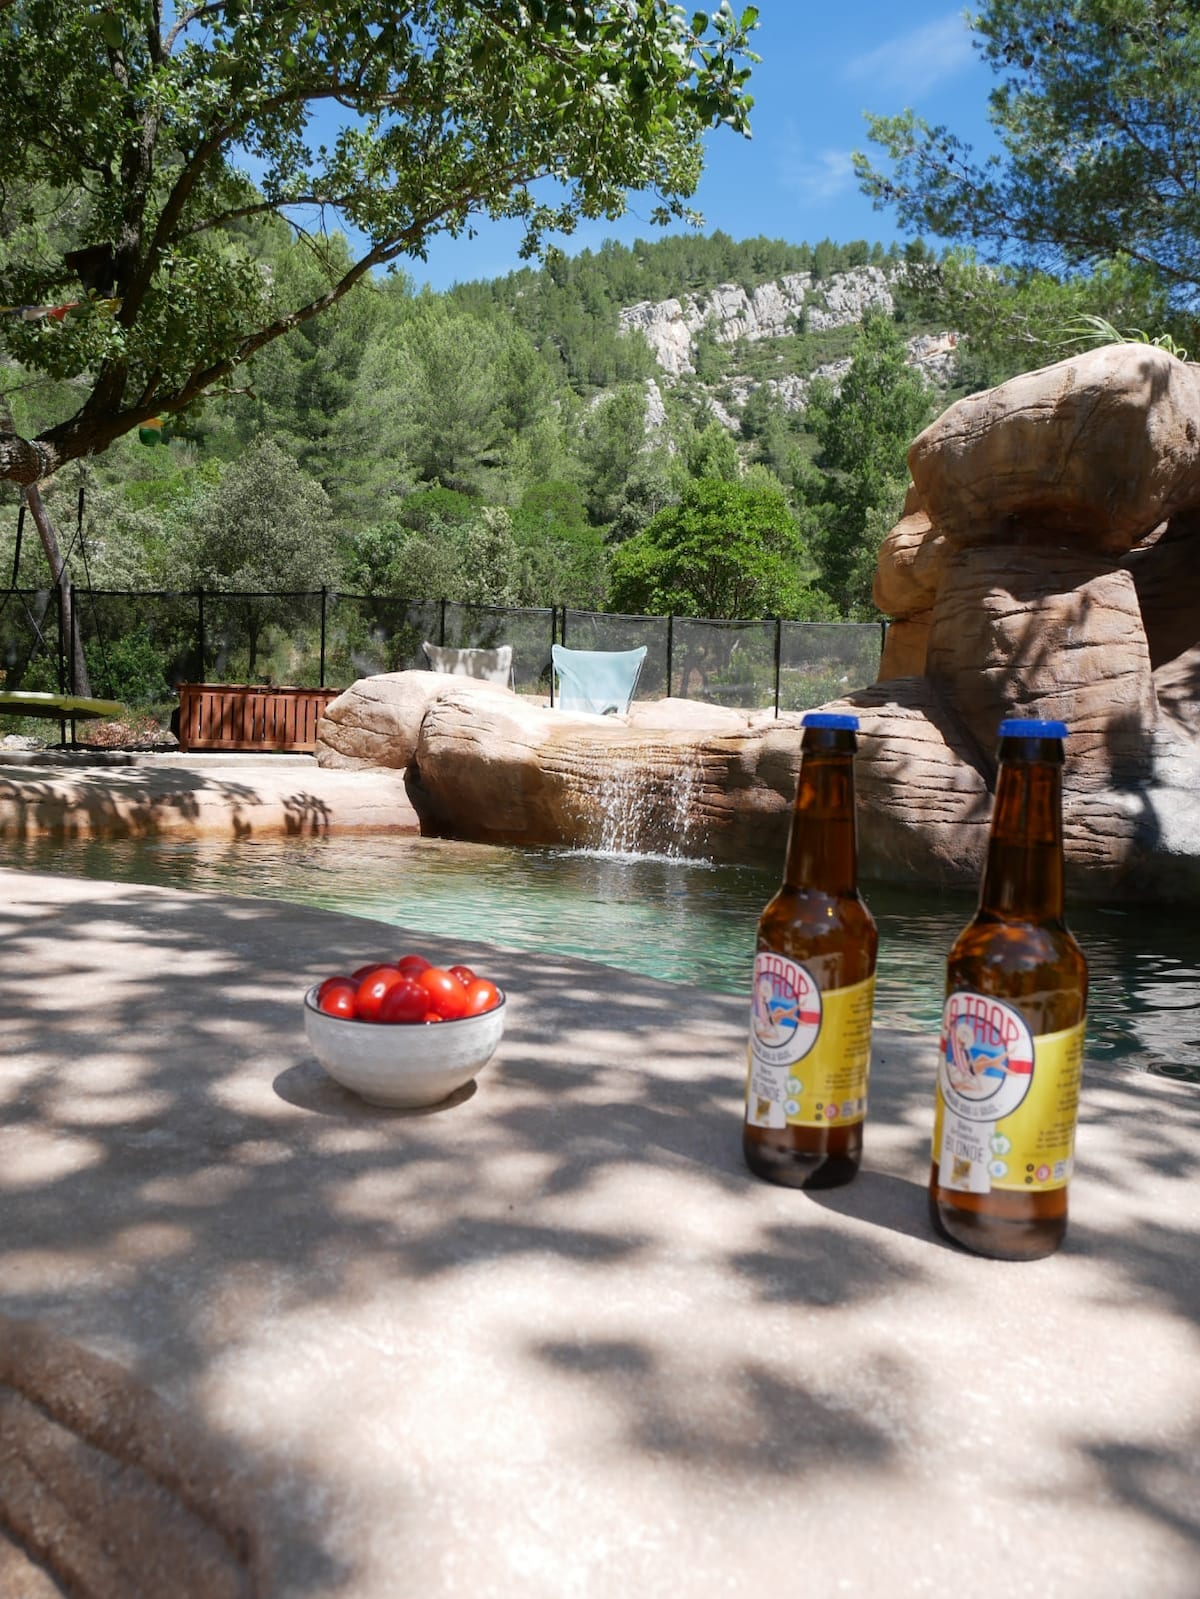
column 823, row 842
column 1024, row 873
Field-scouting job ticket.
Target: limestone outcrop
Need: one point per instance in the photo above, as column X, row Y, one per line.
column 768, row 312
column 772, row 311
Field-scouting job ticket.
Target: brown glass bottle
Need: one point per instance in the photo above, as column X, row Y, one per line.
column 814, row 975
column 1012, row 1032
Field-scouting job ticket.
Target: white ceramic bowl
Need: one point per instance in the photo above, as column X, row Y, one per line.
column 399, row 1064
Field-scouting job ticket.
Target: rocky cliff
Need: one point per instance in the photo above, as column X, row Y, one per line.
column 795, row 303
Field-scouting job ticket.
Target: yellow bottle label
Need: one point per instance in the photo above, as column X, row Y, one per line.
column 1007, row 1101
column 809, row 1053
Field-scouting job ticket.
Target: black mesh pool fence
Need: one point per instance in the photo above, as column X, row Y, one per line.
column 138, row 646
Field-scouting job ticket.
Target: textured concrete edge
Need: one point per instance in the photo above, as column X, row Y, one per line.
column 200, row 799
column 138, row 1446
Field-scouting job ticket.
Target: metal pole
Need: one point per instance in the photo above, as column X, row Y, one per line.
column 778, row 653
column 68, row 635
column 200, row 640
column 554, row 638
column 324, row 592
column 670, row 654
column 442, row 625
column 65, row 672
column 553, row 642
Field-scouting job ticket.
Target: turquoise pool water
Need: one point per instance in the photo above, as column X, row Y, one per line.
column 687, row 922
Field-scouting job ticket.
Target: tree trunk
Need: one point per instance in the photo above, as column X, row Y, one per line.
column 74, row 644
column 41, row 520
column 22, row 461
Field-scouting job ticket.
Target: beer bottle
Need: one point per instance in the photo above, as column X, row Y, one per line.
column 1011, row 1056
column 814, row 983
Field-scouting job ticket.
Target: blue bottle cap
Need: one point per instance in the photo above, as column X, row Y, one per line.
column 843, row 724
column 1015, row 727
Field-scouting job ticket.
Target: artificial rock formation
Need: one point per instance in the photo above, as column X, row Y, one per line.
column 376, row 722
column 1045, row 566
column 674, row 776
column 486, row 764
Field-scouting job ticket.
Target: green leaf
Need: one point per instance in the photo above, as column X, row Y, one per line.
column 452, row 113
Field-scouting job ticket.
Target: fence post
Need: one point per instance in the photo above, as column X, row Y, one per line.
column 778, row 655
column 883, row 627
column 555, row 637
column 670, row 652
column 324, row 592
column 553, row 642
column 63, row 612
column 66, row 626
column 200, row 640
column 442, row 623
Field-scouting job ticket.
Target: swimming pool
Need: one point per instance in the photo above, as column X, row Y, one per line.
column 684, row 921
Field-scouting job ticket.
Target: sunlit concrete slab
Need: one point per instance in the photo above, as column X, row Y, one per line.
column 553, row 1339
column 222, row 796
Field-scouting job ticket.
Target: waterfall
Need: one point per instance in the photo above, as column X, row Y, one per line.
column 646, row 806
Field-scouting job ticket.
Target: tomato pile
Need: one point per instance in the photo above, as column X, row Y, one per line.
column 411, row 989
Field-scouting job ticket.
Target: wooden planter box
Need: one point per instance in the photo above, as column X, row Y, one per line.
column 223, row 716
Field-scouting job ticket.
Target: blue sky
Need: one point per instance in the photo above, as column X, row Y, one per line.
column 822, row 68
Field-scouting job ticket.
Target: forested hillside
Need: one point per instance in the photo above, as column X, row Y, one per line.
column 532, row 440
column 691, row 424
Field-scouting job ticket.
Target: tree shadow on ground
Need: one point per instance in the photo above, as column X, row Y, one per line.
column 137, row 802
column 185, row 1192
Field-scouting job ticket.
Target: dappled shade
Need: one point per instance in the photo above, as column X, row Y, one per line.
column 441, row 1336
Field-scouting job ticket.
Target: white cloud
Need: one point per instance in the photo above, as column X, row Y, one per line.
column 912, row 61
column 818, row 177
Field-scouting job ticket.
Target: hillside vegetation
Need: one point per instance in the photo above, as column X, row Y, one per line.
column 536, row 439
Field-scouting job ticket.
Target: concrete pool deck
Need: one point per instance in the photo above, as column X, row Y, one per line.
column 553, row 1340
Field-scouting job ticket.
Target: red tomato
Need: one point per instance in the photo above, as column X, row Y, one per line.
column 481, row 996
column 432, row 1016
column 413, row 965
column 404, row 1001
column 336, row 997
column 358, row 975
column 332, row 982
column 464, row 974
column 368, row 997
column 444, row 993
